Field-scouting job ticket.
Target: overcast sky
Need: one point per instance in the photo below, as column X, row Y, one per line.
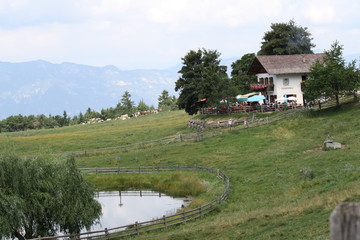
column 132, row 34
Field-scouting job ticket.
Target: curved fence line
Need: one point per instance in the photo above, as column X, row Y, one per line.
column 160, row 223
column 253, row 121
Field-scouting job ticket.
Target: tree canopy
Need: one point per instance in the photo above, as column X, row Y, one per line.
column 286, row 39
column 239, row 77
column 202, row 77
column 126, row 105
column 21, row 123
column 332, row 77
column 167, row 102
column 39, row 197
column 142, row 106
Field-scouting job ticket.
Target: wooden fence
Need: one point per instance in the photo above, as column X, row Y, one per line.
column 199, row 135
column 161, row 223
column 249, row 108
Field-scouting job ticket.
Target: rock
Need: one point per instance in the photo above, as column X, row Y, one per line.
column 328, row 143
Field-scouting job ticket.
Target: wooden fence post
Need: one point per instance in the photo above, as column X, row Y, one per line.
column 73, row 236
column 106, row 233
column 345, row 222
column 164, row 219
column 137, row 228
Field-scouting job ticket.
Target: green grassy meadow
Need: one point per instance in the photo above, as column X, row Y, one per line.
column 283, row 186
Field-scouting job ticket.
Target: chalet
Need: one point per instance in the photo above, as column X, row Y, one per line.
column 280, row 77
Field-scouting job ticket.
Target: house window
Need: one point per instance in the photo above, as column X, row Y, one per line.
column 271, row 81
column 286, row 82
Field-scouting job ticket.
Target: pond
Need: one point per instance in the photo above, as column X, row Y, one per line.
column 121, row 208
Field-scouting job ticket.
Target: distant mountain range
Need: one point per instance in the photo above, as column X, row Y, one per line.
column 41, row 87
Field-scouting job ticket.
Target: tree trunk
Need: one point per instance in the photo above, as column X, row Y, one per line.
column 19, row 236
column 337, row 99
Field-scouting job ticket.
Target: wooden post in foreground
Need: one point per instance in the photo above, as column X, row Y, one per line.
column 345, row 222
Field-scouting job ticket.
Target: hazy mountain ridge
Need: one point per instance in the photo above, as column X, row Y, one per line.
column 41, row 87
column 38, row 87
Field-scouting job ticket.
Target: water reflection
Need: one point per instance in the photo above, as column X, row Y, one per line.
column 126, row 207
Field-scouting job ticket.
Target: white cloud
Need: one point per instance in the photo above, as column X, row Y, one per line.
column 320, row 12
column 26, row 42
column 13, row 4
column 111, row 7
column 157, row 33
column 122, row 83
column 231, row 13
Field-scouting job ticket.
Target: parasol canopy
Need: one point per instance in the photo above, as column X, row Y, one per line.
column 255, row 98
column 292, row 98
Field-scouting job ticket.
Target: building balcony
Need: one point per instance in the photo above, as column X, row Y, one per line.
column 258, row 87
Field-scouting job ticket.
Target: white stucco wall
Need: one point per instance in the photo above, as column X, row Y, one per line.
column 293, row 88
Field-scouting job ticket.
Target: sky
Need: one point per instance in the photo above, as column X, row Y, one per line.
column 156, row 34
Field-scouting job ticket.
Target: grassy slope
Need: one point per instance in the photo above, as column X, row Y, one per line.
column 94, row 136
column 282, row 187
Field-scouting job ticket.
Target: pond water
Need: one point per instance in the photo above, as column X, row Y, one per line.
column 126, row 207
column 121, row 208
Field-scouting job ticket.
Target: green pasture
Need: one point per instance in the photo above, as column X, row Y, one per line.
column 94, row 136
column 283, row 185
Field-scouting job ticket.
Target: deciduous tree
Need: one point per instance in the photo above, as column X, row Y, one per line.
column 202, row 77
column 285, row 39
column 332, row 76
column 239, row 77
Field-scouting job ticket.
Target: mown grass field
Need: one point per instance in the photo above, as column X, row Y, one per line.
column 282, row 185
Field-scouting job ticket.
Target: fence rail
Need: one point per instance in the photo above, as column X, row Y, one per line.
column 160, row 223
column 252, row 121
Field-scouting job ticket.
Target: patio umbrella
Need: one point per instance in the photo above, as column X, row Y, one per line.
column 256, row 98
column 281, row 99
column 292, row 98
column 241, row 98
column 250, row 94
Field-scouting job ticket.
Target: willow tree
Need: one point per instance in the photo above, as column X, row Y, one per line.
column 39, row 197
